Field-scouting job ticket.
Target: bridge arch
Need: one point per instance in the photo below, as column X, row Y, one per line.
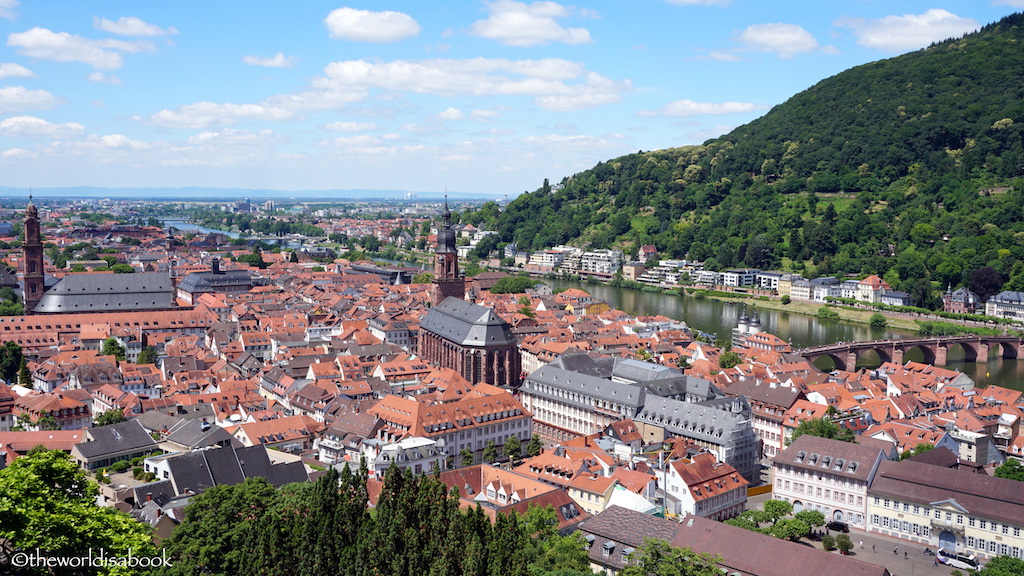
column 928, row 354
column 1008, row 350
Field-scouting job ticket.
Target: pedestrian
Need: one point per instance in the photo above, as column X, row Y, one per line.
column 872, row 548
column 895, row 550
column 861, row 544
column 935, row 561
column 904, row 554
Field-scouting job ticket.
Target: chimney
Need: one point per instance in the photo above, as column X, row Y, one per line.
column 149, row 496
column 215, row 265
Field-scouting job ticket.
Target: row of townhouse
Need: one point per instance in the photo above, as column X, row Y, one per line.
column 933, row 498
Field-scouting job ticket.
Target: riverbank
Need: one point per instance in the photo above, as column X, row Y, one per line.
column 893, row 320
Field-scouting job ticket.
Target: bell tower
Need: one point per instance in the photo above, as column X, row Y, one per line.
column 447, row 280
column 33, row 256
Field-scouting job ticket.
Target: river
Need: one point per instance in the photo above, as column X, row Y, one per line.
column 186, row 226
column 718, row 317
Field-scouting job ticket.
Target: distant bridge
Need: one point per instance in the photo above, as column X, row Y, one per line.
column 934, row 349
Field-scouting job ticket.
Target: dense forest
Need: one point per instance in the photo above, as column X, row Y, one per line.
column 909, row 168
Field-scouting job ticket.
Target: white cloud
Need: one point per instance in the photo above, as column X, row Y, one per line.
column 484, row 115
column 7, row 8
column 32, row 126
column 1010, row 3
column 578, row 141
column 15, row 98
column 278, row 60
column 699, row 2
column 911, row 31
column 131, row 26
column 63, row 47
column 556, row 84
column 18, row 153
column 518, row 24
column 351, row 126
column 362, row 140
column 101, row 78
column 11, row 70
column 366, row 26
column 208, row 114
column 231, row 136
column 683, row 108
column 720, row 56
column 451, row 114
column 786, row 40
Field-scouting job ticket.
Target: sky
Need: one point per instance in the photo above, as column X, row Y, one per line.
column 487, row 97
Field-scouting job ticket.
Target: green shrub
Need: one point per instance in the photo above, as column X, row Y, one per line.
column 828, row 542
column 120, row 466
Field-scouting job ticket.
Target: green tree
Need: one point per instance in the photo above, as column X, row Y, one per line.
column 513, row 448
column 111, row 347
column 659, row 557
column 24, row 374
column 789, row 529
column 513, row 285
column 46, row 421
column 122, row 269
column 535, row 447
column 148, row 355
column 1003, row 566
column 843, row 543
column 219, row 526
column 49, row 504
column 490, row 451
column 878, row 321
column 824, row 428
column 1011, row 469
column 10, row 360
column 828, row 542
column 813, row 518
column 423, row 278
column 729, row 359
column 466, row 457
column 918, row 449
column 112, row 416
column 776, row 509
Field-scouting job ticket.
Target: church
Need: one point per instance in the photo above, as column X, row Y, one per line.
column 456, row 334
column 77, row 293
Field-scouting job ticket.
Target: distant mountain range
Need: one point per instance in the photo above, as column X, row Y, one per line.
column 228, row 194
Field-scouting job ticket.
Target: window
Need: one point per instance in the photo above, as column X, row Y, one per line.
column 906, row 507
column 917, row 509
column 983, row 524
column 971, row 522
column 970, row 542
column 938, row 513
column 959, row 518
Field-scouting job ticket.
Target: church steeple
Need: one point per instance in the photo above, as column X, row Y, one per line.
column 34, row 284
column 447, row 279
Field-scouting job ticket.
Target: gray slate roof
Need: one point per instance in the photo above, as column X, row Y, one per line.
column 197, row 282
column 467, row 324
column 124, row 436
column 108, row 293
column 584, row 388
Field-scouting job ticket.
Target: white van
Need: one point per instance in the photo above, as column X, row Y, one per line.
column 961, row 561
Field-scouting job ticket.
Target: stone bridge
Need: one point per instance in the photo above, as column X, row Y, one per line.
column 934, row 349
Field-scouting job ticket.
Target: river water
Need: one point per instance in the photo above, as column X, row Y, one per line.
column 800, row 330
column 186, row 226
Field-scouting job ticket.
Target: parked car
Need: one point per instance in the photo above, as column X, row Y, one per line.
column 837, row 526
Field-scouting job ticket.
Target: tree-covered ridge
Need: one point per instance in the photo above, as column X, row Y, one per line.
column 907, row 168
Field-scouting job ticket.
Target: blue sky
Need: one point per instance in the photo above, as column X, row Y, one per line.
column 489, row 97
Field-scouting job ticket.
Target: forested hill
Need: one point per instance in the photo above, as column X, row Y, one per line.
column 909, row 167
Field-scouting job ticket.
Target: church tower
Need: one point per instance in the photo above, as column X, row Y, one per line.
column 33, row 255
column 447, row 280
